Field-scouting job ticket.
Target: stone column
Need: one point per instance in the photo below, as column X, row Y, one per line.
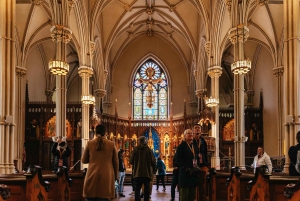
column 7, row 85
column 85, row 73
column 278, row 72
column 61, row 35
column 20, row 116
column 214, row 73
column 291, row 74
column 238, row 35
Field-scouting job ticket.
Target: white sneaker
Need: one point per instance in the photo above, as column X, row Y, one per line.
column 132, row 193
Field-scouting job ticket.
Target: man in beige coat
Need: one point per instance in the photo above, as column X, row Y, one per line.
column 101, row 155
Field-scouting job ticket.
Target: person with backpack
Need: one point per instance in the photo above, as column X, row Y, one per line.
column 293, row 152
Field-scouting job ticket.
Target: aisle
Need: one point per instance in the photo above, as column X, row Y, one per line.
column 156, row 195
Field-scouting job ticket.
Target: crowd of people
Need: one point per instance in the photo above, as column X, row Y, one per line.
column 106, row 166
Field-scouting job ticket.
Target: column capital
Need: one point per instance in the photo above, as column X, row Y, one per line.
column 228, row 5
column 200, row 93
column 107, row 104
column 207, row 48
column 85, row 71
column 214, row 71
column 20, row 71
column 262, row 2
column 240, row 33
column 60, row 33
column 92, row 48
column 37, row 2
column 278, row 71
column 100, row 93
column 49, row 93
column 193, row 104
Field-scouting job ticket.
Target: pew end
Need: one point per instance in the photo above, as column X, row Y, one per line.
column 292, row 191
column 4, row 192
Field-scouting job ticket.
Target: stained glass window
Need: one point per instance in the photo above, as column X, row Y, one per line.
column 150, row 92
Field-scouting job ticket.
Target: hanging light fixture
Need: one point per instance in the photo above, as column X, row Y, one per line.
column 211, row 102
column 88, row 99
column 241, row 66
column 58, row 67
column 63, row 35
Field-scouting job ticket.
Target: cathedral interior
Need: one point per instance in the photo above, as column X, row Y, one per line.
column 152, row 68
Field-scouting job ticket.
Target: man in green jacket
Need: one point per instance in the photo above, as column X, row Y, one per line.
column 144, row 163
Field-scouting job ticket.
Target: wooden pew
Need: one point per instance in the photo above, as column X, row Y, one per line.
column 36, row 187
column 29, row 186
column 60, row 185
column 222, row 185
column 259, row 187
column 4, row 192
column 233, row 183
column 201, row 191
column 292, row 191
column 212, row 182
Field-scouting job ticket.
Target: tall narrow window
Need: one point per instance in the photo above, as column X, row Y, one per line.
column 150, row 92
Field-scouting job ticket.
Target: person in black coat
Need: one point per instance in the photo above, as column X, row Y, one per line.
column 175, row 178
column 61, row 152
column 293, row 150
column 201, row 145
column 188, row 160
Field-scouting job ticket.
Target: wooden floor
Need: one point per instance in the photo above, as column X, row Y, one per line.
column 159, row 195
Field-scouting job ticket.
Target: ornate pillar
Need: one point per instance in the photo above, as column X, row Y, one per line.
column 61, row 36
column 291, row 74
column 7, row 85
column 237, row 36
column 20, row 116
column 278, row 72
column 214, row 73
column 85, row 73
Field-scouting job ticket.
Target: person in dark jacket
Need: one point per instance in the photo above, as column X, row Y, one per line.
column 61, row 152
column 188, row 160
column 161, row 172
column 293, row 151
column 175, row 178
column 121, row 173
column 201, row 145
column 144, row 163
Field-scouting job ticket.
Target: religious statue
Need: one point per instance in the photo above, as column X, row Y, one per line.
column 79, row 127
column 34, row 129
column 167, row 143
column 133, row 141
column 150, row 140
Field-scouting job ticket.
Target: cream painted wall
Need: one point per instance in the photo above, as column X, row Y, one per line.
column 36, row 76
column 267, row 82
column 75, row 90
column 122, row 74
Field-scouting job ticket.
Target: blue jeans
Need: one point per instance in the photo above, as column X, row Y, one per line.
column 121, row 177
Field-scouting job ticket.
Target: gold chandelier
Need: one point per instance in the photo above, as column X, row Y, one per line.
column 211, row 102
column 58, row 67
column 60, row 35
column 88, row 99
column 241, row 66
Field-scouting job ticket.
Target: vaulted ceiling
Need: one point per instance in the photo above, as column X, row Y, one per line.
column 185, row 25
